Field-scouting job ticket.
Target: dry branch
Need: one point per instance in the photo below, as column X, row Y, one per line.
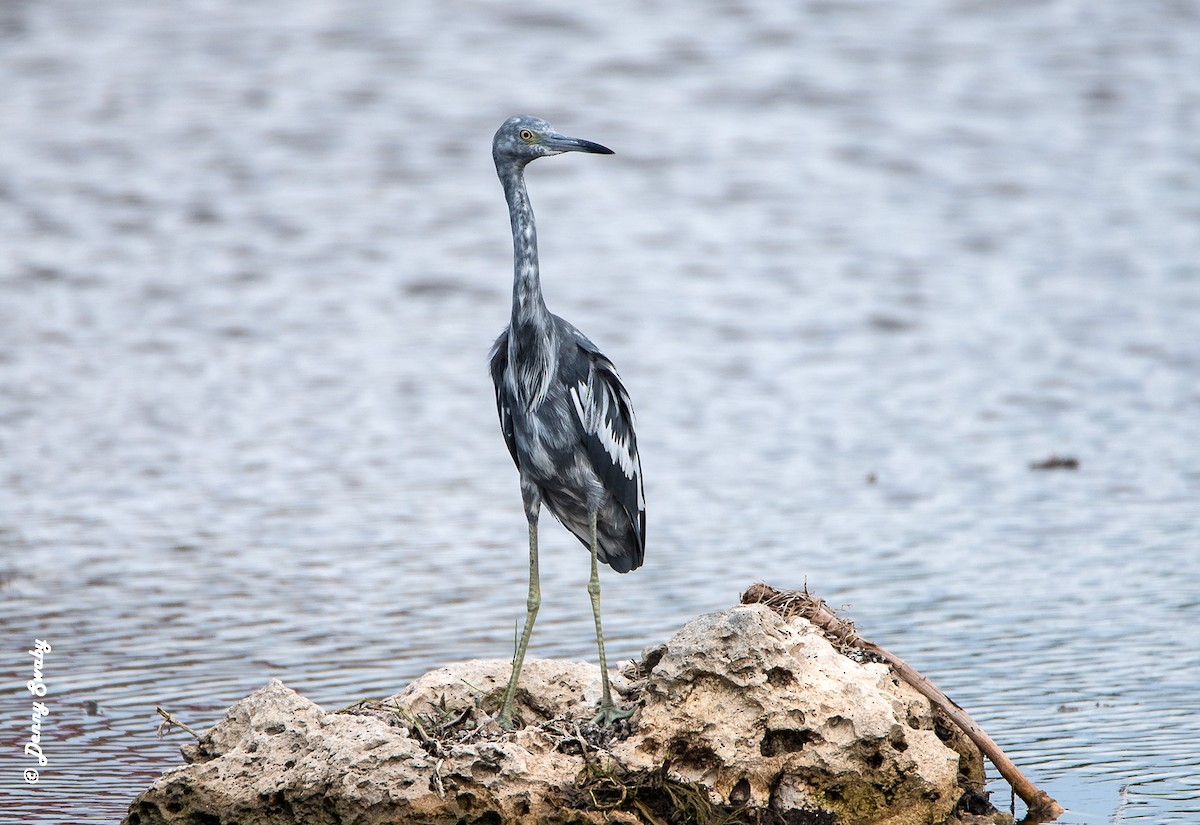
column 790, row 603
column 171, row 721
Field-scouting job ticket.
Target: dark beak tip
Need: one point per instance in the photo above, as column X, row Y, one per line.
column 570, row 144
column 594, row 148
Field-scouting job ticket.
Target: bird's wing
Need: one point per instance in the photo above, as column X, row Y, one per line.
column 498, row 366
column 602, row 405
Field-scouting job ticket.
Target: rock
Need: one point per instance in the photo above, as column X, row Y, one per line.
column 549, row 689
column 741, row 710
column 277, row 757
column 765, row 712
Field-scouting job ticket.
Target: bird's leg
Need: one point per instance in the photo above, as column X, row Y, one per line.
column 531, row 607
column 609, row 712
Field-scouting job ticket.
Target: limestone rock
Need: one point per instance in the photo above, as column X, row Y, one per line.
column 765, row 712
column 549, row 689
column 746, row 709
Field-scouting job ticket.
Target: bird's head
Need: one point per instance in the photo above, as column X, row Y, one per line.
column 523, row 138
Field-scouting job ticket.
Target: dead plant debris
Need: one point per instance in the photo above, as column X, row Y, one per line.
column 656, row 799
column 440, row 728
column 1056, row 462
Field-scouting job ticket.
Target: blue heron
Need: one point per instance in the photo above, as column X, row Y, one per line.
column 565, row 415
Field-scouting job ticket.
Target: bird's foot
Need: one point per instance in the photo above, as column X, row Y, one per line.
column 508, row 708
column 505, row 718
column 610, row 713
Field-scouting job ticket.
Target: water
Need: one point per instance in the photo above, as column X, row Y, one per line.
column 253, row 255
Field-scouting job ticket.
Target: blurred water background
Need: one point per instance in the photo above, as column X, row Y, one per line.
column 859, row 263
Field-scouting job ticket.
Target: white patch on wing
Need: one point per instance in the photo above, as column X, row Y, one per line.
column 593, row 411
column 583, row 419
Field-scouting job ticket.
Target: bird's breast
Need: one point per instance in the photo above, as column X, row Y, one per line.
column 546, row 437
column 531, row 367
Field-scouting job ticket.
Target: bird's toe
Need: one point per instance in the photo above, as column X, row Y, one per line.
column 610, row 713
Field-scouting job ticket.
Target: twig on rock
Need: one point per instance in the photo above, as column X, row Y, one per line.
column 790, row 603
column 357, row 703
column 437, row 779
column 647, row 813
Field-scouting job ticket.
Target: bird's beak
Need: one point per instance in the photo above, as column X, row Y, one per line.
column 561, row 143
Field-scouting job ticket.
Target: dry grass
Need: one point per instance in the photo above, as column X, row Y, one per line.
column 439, row 728
column 840, row 632
column 655, row 798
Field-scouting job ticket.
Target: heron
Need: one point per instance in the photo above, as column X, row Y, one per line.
column 564, row 413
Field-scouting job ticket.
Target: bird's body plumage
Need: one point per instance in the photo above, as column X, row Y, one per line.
column 570, row 433
column 564, row 413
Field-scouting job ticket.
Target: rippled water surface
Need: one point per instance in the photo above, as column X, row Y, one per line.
column 860, row 263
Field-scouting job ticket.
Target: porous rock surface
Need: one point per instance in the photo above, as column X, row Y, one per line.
column 759, row 712
column 766, row 712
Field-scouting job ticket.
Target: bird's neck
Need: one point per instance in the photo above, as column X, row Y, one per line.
column 528, row 307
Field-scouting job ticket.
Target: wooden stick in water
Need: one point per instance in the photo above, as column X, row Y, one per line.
column 172, row 721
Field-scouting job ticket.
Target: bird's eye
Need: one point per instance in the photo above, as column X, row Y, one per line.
column 526, row 135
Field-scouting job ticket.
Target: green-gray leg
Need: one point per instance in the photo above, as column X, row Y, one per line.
column 531, row 607
column 609, row 712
